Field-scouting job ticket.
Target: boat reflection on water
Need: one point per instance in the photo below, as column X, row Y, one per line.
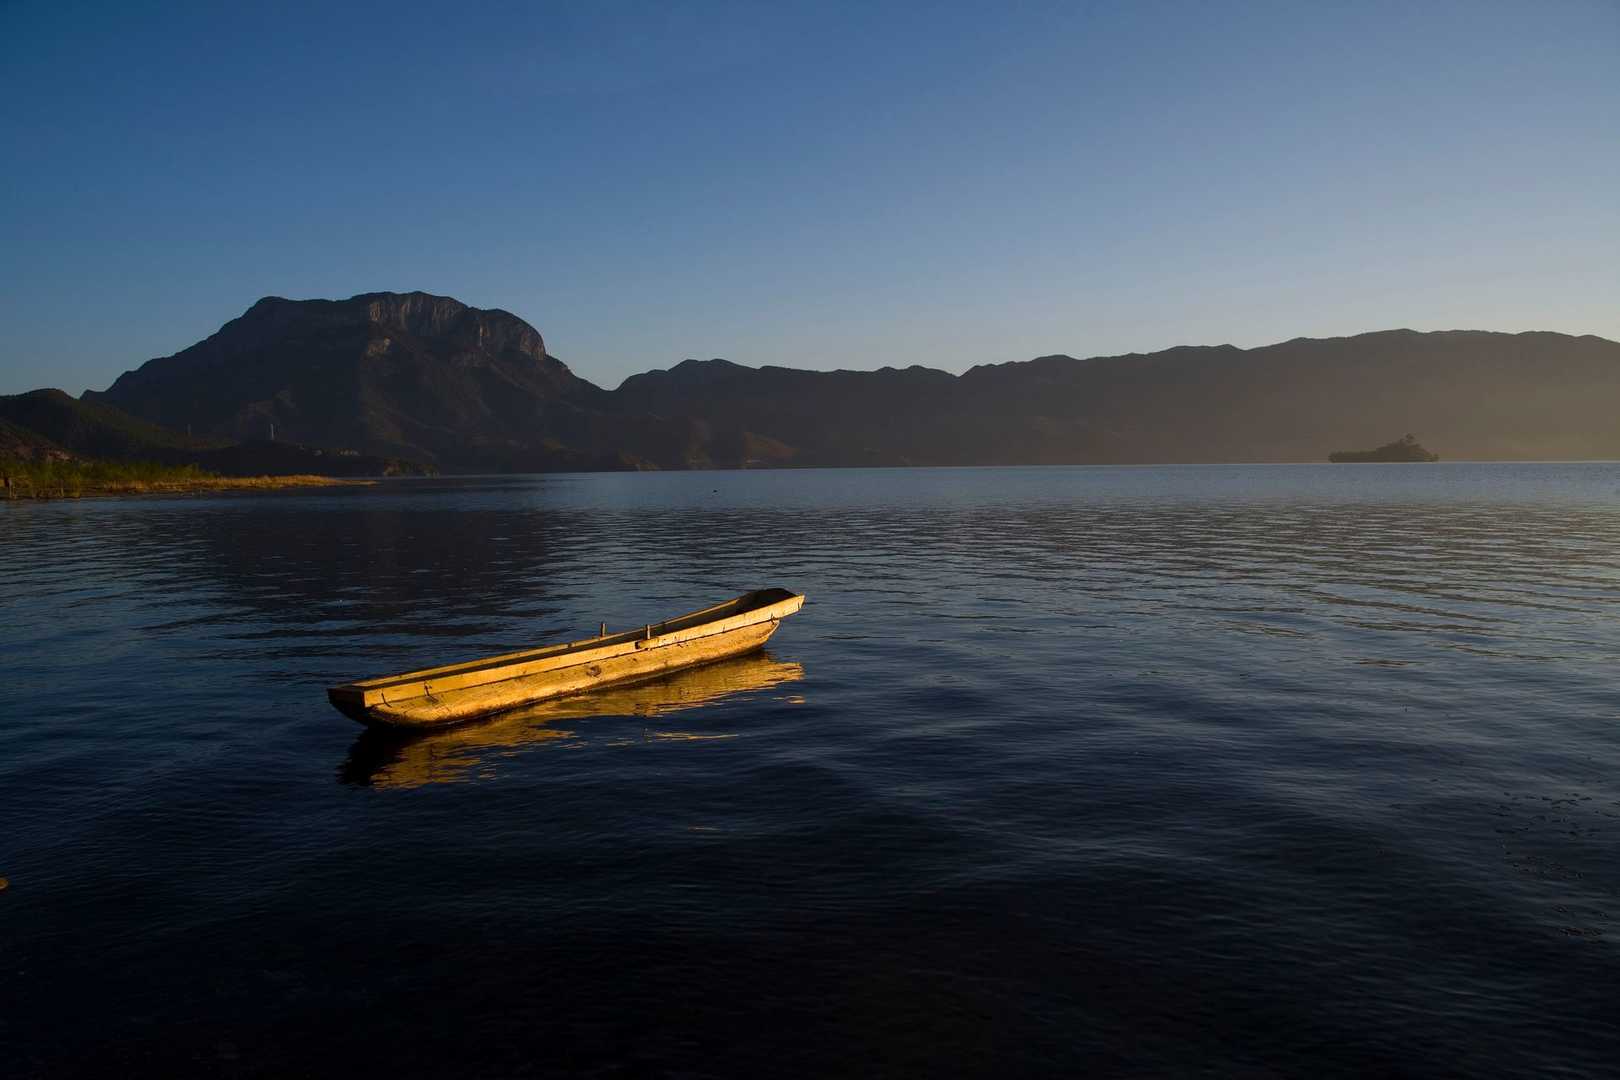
column 471, row 752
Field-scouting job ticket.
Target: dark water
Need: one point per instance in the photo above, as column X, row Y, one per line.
column 1264, row 770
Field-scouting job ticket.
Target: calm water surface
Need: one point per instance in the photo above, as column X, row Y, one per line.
column 1257, row 770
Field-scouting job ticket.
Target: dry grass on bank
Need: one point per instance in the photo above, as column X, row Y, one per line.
column 76, row 478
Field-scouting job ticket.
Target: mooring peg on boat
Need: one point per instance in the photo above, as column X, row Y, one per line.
column 603, row 632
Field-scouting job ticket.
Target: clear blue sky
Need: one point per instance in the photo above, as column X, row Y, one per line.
column 817, row 185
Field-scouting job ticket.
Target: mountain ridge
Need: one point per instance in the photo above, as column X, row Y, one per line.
column 467, row 389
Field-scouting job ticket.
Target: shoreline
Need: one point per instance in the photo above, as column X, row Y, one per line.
column 117, row 488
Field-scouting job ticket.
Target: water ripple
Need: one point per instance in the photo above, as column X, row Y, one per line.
column 1144, row 770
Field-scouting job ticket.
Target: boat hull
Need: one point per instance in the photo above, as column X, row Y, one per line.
column 458, row 693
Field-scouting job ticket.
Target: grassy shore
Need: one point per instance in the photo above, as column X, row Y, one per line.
column 77, row 478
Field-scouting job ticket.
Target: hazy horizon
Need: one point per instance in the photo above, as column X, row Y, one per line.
column 810, row 187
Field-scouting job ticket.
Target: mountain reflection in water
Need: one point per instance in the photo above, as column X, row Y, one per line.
column 469, row 753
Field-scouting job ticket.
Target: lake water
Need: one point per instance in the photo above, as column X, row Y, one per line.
column 1284, row 769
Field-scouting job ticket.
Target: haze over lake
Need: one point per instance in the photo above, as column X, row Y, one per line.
column 1148, row 770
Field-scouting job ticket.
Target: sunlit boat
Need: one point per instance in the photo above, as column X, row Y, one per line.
column 476, row 688
column 476, row 751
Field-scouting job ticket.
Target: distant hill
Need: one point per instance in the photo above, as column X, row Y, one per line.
column 50, row 423
column 915, row 416
column 19, row 443
column 427, row 377
column 94, row 430
column 1478, row 395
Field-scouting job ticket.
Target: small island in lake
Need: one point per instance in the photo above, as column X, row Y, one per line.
column 1406, row 448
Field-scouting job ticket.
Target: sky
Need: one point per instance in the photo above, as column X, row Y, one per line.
column 815, row 185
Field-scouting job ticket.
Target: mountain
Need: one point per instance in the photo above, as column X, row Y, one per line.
column 427, row 377
column 50, row 423
column 1474, row 395
column 788, row 416
column 392, row 374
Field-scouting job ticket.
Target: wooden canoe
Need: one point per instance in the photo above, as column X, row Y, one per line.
column 466, row 691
